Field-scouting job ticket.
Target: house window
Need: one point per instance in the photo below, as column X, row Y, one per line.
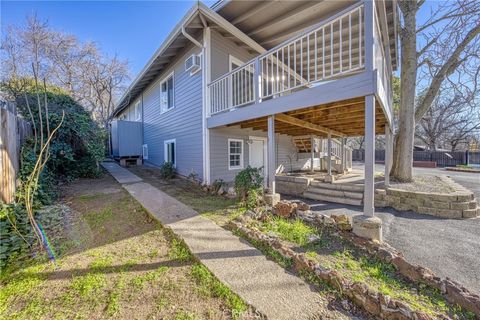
column 169, row 149
column 234, row 62
column 138, row 112
column 235, row 154
column 167, row 93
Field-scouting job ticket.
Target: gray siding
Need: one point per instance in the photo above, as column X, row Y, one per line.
column 219, row 150
column 183, row 122
column 221, row 49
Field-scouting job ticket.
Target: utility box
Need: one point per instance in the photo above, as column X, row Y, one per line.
column 126, row 139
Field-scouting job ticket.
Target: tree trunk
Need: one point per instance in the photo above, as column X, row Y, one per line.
column 403, row 152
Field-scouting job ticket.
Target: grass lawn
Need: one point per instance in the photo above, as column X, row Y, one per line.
column 113, row 261
column 217, row 208
column 327, row 248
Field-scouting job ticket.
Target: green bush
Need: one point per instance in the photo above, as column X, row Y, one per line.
column 167, row 171
column 247, row 180
column 75, row 151
column 77, row 147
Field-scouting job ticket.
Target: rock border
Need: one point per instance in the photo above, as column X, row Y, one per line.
column 459, row 204
column 370, row 300
column 472, row 170
column 454, row 292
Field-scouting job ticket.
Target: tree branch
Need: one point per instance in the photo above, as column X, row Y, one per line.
column 444, row 71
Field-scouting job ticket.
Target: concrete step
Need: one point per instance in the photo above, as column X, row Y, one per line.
column 319, row 197
column 338, row 186
column 357, row 195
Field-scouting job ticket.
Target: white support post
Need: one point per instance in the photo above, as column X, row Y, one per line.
column 343, row 155
column 368, row 201
column 271, row 154
column 388, row 155
column 329, row 153
column 312, row 153
column 369, row 14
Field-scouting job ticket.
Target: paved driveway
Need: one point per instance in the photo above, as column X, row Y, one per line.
column 451, row 248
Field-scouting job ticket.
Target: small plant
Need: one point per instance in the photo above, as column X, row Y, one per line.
column 193, row 176
column 248, row 183
column 253, row 199
column 167, row 171
column 217, row 184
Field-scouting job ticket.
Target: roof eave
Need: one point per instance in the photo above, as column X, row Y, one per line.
column 164, row 46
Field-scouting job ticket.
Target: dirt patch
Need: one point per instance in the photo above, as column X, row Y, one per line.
column 425, row 183
column 115, row 262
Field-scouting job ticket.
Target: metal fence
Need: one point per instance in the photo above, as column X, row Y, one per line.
column 442, row 158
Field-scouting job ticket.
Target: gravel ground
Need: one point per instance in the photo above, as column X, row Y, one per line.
column 424, row 183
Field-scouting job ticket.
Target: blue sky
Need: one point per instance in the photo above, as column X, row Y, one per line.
column 131, row 29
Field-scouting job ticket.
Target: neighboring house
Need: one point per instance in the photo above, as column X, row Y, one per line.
column 260, row 82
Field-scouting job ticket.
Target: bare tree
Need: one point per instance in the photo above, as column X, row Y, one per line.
column 431, row 53
column 92, row 78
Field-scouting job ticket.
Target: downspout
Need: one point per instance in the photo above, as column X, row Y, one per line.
column 189, row 37
column 205, row 144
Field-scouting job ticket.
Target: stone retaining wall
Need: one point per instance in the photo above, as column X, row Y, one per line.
column 460, row 204
column 291, row 185
column 370, row 300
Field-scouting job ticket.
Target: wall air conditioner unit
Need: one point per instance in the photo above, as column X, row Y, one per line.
column 145, row 151
column 193, row 64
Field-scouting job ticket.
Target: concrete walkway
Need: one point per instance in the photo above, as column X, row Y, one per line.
column 260, row 282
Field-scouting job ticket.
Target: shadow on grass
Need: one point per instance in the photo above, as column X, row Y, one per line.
column 126, row 267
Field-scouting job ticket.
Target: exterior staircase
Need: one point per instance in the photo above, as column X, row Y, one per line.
column 350, row 194
column 303, row 144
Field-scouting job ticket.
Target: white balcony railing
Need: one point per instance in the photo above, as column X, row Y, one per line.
column 332, row 49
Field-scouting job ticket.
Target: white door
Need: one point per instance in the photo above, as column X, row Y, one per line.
column 257, row 154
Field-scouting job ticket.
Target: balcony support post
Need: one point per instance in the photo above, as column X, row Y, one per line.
column 329, row 154
column 271, row 197
column 368, row 201
column 312, row 153
column 343, row 155
column 388, row 154
column 271, row 154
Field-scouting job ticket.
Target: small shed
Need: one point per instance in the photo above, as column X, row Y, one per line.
column 126, row 139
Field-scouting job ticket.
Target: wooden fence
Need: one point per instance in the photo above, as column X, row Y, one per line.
column 442, row 158
column 13, row 131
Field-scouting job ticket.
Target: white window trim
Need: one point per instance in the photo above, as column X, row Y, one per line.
column 138, row 111
column 164, row 79
column 165, row 142
column 233, row 59
column 241, row 155
column 200, row 55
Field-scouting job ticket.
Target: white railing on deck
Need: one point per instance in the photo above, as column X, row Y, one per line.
column 332, row 49
column 233, row 90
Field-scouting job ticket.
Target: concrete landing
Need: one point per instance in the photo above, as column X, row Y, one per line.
column 122, row 175
column 260, row 282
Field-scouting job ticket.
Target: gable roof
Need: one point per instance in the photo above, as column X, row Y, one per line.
column 196, row 18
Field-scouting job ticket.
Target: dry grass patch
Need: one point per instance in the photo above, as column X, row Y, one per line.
column 119, row 264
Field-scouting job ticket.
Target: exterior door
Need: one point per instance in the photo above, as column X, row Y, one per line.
column 257, row 154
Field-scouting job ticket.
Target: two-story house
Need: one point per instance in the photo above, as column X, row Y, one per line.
column 245, row 82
